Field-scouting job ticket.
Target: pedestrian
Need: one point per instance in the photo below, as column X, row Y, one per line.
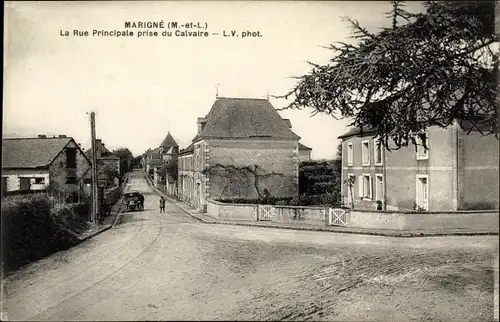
column 105, row 207
column 141, row 202
column 162, row 204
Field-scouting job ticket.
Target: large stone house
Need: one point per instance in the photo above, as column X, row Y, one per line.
column 40, row 163
column 457, row 171
column 243, row 149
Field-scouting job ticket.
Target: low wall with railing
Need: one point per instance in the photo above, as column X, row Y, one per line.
column 322, row 216
column 231, row 211
column 476, row 219
column 300, row 214
column 274, row 213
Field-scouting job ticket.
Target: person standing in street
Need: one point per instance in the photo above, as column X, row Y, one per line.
column 162, row 204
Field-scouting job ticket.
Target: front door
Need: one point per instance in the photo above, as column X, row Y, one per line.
column 24, row 184
column 200, row 196
column 423, row 192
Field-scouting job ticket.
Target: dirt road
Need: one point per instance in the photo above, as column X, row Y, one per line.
column 168, row 266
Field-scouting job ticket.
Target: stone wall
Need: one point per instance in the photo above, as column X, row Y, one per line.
column 318, row 216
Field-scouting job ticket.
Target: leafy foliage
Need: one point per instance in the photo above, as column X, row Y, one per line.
column 437, row 67
column 317, row 178
column 126, row 160
column 36, row 226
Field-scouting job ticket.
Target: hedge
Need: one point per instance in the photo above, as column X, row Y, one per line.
column 36, row 226
column 325, row 199
column 263, row 201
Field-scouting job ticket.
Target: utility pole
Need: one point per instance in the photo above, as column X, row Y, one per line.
column 95, row 192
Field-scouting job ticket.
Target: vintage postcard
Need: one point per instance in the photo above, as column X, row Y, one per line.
column 250, row 160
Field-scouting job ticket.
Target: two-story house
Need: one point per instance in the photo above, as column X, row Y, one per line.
column 186, row 186
column 457, row 171
column 243, row 149
column 40, row 163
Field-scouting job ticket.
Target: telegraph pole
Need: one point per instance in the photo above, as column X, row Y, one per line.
column 95, row 204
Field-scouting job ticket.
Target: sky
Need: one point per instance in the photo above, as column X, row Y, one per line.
column 142, row 88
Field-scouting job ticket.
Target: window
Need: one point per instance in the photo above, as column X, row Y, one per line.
column 377, row 152
column 349, row 154
column 422, row 191
column 71, row 158
column 365, row 152
column 422, row 151
column 39, row 180
column 365, row 187
column 379, row 187
column 350, row 177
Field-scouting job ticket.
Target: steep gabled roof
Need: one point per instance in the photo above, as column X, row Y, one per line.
column 168, row 142
column 245, row 118
column 303, row 147
column 31, row 152
column 188, row 150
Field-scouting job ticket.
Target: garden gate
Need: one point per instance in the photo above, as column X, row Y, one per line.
column 337, row 217
column 265, row 212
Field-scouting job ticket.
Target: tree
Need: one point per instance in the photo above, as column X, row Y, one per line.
column 137, row 162
column 126, row 160
column 110, row 174
column 437, row 67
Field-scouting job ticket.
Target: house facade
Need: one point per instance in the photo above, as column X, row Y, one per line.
column 160, row 162
column 40, row 163
column 243, row 149
column 304, row 152
column 187, row 180
column 457, row 171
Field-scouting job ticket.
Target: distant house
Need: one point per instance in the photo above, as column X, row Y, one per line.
column 104, row 157
column 159, row 163
column 168, row 148
column 243, row 149
column 457, row 171
column 304, row 152
column 187, row 176
column 39, row 163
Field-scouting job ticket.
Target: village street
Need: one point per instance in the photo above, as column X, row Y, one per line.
column 168, row 266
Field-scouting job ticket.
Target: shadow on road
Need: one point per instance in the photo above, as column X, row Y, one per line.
column 130, row 218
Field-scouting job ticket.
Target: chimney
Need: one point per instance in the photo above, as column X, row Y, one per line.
column 62, row 136
column 42, row 136
column 98, row 141
column 288, row 122
column 201, row 123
